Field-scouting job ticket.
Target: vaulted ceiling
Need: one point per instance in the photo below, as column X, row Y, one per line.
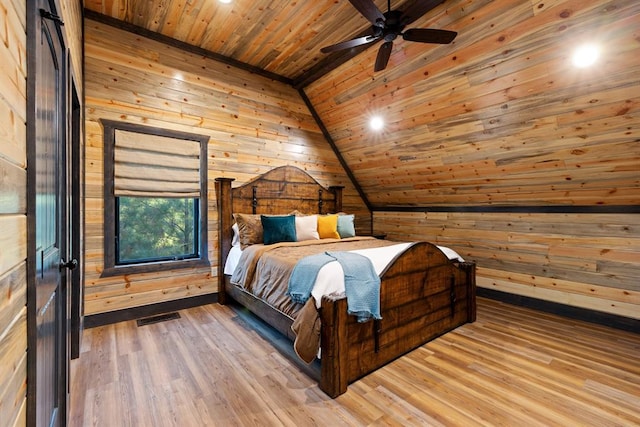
column 498, row 117
column 279, row 37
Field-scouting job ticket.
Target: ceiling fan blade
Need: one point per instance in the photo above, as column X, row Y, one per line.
column 383, row 56
column 349, row 44
column 429, row 35
column 369, row 10
column 414, row 9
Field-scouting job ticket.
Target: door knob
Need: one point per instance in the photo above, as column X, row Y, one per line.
column 71, row 264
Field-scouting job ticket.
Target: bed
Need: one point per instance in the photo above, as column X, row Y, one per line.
column 423, row 293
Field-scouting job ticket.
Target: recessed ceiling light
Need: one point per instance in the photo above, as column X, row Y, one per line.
column 376, row 123
column 585, row 55
column 225, row 1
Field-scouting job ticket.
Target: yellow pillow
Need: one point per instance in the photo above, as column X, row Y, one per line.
column 328, row 226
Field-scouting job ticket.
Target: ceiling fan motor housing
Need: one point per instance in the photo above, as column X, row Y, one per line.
column 392, row 26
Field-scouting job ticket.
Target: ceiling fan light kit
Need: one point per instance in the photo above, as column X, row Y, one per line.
column 388, row 26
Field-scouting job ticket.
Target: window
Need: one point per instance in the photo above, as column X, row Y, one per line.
column 155, row 229
column 155, row 199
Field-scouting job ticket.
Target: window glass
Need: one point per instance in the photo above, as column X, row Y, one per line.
column 156, row 229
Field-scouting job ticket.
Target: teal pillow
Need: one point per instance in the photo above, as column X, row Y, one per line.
column 345, row 226
column 278, row 228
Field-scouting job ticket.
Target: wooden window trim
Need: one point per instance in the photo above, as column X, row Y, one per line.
column 110, row 268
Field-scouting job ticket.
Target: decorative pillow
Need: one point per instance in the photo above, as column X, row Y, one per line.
column 235, row 240
column 328, row 226
column 249, row 229
column 346, row 227
column 278, row 228
column 307, row 228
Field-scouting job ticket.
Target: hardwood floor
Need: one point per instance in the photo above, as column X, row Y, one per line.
column 213, row 366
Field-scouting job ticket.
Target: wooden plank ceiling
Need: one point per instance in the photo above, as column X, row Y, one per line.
column 281, row 37
column 498, row 117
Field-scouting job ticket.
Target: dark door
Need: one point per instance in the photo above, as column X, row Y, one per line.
column 47, row 160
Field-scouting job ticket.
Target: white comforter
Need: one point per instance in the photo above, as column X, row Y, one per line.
column 330, row 278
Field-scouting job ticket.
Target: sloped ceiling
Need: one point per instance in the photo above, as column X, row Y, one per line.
column 280, row 37
column 498, row 117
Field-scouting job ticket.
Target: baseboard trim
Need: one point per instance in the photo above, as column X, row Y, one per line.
column 577, row 313
column 107, row 318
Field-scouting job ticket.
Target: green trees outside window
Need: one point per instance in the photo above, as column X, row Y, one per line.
column 156, row 229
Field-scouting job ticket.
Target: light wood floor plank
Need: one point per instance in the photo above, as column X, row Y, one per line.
column 218, row 366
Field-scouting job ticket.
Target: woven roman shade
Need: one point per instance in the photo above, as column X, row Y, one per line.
column 155, row 166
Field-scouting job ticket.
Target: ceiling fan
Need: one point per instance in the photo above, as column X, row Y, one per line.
column 389, row 25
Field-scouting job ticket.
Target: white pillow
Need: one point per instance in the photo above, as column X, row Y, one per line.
column 235, row 240
column 307, row 228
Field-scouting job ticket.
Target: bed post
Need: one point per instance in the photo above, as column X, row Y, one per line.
column 225, row 222
column 337, row 191
column 470, row 270
column 334, row 355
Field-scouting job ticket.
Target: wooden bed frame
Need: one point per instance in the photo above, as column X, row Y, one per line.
column 423, row 295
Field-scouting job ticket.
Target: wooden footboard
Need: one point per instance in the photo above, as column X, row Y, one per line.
column 423, row 295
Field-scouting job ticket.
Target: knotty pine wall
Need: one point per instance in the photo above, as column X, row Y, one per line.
column 502, row 118
column 13, row 196
column 583, row 260
column 254, row 124
column 13, row 218
column 71, row 12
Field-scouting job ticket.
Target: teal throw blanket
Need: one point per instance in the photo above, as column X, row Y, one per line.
column 361, row 283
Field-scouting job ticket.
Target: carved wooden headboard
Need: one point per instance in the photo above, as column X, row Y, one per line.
column 279, row 191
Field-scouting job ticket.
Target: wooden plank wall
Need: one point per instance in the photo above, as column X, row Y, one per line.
column 584, row 260
column 254, row 124
column 71, row 12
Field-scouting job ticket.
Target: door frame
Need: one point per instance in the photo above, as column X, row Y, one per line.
column 76, row 146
